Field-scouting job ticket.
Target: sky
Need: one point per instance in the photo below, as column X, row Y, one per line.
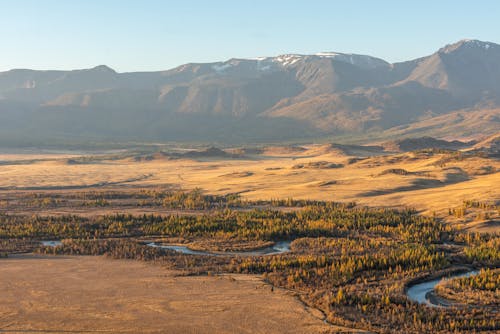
column 149, row 35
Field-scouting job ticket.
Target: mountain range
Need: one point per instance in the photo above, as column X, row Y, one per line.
column 453, row 93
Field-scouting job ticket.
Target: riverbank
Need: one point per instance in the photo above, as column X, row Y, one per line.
column 423, row 290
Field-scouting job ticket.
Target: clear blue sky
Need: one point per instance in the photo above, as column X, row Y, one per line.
column 146, row 35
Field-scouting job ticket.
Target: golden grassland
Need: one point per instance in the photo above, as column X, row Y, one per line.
column 86, row 294
column 433, row 183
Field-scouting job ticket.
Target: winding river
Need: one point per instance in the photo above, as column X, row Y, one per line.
column 278, row 248
column 423, row 292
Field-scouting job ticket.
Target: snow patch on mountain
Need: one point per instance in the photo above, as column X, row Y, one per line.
column 354, row 59
column 288, row 59
column 327, row 54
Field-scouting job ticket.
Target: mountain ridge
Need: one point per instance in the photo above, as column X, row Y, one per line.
column 285, row 97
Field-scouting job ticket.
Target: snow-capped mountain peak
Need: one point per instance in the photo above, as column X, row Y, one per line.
column 293, row 59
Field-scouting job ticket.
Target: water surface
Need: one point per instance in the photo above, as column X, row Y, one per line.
column 278, row 248
column 51, row 243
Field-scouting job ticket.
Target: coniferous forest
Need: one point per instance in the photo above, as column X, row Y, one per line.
column 353, row 263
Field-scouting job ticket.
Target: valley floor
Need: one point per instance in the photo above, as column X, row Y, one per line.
column 352, row 256
column 94, row 294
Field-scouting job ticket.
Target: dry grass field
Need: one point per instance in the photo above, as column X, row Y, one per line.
column 433, row 183
column 95, row 294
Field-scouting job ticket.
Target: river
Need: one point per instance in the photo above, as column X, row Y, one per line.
column 423, row 292
column 278, row 248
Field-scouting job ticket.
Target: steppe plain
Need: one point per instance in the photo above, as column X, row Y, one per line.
column 40, row 292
